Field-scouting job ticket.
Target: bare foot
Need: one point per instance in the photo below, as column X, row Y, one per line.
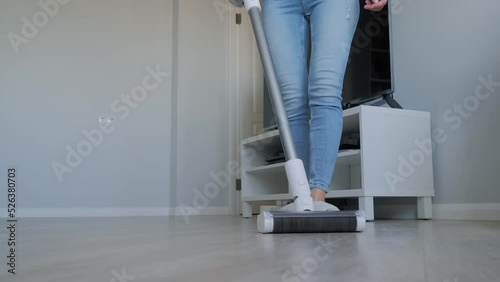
column 318, row 194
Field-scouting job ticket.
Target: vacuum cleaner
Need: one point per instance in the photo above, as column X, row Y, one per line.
column 303, row 215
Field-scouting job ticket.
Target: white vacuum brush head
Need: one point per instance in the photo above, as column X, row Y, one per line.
column 265, row 222
column 310, row 222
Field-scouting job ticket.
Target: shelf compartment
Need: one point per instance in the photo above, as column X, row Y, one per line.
column 351, row 120
column 349, row 193
column 347, row 158
column 270, row 138
column 265, row 182
column 268, row 169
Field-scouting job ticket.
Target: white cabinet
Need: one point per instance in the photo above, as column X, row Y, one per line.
column 394, row 160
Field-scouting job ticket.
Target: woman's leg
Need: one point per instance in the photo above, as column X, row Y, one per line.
column 332, row 28
column 287, row 32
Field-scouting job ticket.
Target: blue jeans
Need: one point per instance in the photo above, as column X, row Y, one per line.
column 312, row 96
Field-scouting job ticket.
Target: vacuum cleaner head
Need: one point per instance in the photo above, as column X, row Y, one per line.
column 311, row 222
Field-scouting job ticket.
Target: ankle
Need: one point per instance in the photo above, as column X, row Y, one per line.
column 318, row 194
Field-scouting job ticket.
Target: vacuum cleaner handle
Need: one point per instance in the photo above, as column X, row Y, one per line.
column 297, row 178
column 254, row 9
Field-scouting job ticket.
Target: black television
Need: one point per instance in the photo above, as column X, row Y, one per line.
column 369, row 73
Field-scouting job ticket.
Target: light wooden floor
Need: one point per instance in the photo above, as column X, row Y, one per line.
column 229, row 249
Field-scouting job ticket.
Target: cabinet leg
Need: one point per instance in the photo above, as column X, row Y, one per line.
column 424, row 205
column 246, row 209
column 366, row 204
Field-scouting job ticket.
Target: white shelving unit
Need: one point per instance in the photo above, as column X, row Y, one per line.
column 392, row 162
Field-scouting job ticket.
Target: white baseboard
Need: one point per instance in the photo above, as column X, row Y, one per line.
column 488, row 212
column 110, row 212
column 189, row 211
column 479, row 212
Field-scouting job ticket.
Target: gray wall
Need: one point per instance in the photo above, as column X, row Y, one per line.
column 68, row 75
column 440, row 50
column 202, row 136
